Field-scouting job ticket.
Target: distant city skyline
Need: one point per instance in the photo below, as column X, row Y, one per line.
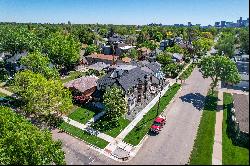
column 129, row 12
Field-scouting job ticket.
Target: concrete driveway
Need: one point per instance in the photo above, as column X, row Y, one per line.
column 174, row 144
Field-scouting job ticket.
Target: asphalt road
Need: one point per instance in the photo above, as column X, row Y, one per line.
column 172, row 146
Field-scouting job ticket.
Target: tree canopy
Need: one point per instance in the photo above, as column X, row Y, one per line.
column 219, row 68
column 115, row 103
column 39, row 63
column 63, row 50
column 42, row 96
column 21, row 143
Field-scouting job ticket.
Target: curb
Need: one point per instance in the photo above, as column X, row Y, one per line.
column 145, row 137
column 99, row 150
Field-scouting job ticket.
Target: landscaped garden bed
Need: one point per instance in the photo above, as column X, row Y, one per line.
column 203, row 145
column 141, row 129
column 83, row 135
column 231, row 154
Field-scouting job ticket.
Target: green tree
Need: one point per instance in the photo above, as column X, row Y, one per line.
column 115, row 103
column 90, row 49
column 226, row 44
column 4, row 73
column 244, row 40
column 202, row 45
column 175, row 49
column 21, row 143
column 16, row 39
column 133, row 54
column 42, row 96
column 62, row 50
column 219, row 68
column 39, row 63
column 164, row 59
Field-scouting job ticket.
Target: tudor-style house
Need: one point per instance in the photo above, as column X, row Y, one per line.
column 138, row 82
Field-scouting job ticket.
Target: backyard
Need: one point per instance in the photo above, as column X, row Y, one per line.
column 203, row 145
column 231, row 154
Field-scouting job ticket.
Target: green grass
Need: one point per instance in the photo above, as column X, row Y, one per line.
column 84, row 135
column 103, row 125
column 73, row 75
column 203, row 145
column 83, row 114
column 187, row 72
column 231, row 154
column 141, row 129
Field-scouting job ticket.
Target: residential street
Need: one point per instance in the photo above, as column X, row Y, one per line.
column 172, row 146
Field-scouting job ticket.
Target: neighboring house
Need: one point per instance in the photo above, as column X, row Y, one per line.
column 144, row 53
column 138, row 82
column 108, row 59
column 99, row 66
column 242, row 63
column 123, row 49
column 177, row 57
column 167, row 43
column 14, row 60
column 82, row 88
column 240, row 117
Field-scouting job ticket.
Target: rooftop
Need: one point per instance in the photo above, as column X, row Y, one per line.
column 83, row 83
column 102, row 56
column 241, row 105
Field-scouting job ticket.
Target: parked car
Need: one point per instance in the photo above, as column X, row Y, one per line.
column 159, row 122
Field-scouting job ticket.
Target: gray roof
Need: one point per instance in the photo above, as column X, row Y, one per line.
column 243, row 67
column 98, row 66
column 127, row 80
column 241, row 105
column 154, row 66
column 177, row 56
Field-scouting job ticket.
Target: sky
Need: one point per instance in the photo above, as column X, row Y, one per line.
column 136, row 12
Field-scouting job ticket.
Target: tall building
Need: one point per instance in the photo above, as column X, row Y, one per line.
column 217, row 24
column 189, row 24
column 223, row 24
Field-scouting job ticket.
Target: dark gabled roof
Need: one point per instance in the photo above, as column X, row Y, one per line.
column 131, row 78
column 154, row 66
column 106, row 80
column 127, row 80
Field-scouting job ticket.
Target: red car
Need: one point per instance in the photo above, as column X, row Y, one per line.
column 159, row 122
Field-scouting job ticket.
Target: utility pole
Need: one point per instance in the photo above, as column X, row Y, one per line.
column 161, row 84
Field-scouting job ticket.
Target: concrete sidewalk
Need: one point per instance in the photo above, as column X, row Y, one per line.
column 217, row 147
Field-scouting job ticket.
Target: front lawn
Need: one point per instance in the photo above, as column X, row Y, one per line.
column 141, row 129
column 203, row 145
column 231, row 154
column 83, row 114
column 103, row 125
column 94, row 140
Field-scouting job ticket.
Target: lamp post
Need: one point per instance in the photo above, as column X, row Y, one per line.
column 161, row 84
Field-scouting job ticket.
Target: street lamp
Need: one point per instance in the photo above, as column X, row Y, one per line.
column 161, row 84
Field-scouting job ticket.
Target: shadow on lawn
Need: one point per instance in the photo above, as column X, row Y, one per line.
column 198, row 101
column 231, row 133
